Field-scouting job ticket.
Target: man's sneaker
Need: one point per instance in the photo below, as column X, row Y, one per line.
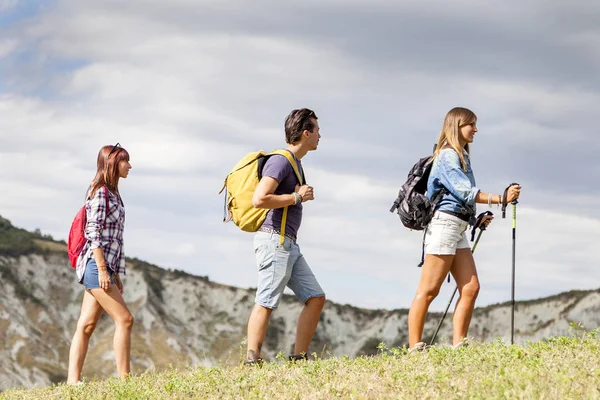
column 418, row 348
column 298, row 357
column 256, row 361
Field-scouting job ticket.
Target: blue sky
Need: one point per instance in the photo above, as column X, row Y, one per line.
column 188, row 87
column 13, row 11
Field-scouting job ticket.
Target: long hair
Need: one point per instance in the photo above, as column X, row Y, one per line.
column 107, row 173
column 455, row 119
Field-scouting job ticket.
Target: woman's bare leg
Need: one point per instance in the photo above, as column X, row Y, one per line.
column 435, row 269
column 112, row 302
column 465, row 274
column 88, row 318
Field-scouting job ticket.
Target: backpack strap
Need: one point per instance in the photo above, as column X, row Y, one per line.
column 106, row 205
column 300, row 178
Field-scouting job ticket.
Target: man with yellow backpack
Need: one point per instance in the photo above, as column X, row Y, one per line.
column 265, row 195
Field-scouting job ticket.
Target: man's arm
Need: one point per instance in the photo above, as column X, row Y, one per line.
column 264, row 196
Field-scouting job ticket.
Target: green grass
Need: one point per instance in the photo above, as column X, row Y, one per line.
column 15, row 242
column 561, row 368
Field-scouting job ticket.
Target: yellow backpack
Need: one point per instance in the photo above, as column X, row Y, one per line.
column 240, row 185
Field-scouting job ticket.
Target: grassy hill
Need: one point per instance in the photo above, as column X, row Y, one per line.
column 15, row 242
column 561, row 368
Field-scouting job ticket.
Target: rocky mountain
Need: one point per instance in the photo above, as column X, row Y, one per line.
column 183, row 320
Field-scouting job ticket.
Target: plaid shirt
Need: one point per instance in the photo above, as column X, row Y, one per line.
column 110, row 240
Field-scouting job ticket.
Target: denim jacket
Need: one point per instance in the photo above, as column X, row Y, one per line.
column 446, row 172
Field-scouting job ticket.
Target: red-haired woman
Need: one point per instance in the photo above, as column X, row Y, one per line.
column 101, row 262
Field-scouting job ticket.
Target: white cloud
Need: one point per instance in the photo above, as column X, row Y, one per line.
column 7, row 46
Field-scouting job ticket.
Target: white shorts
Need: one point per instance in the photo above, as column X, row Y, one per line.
column 445, row 233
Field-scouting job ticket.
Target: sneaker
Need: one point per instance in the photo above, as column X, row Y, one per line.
column 255, row 361
column 462, row 343
column 418, row 348
column 298, row 357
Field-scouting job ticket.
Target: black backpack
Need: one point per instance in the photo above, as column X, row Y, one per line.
column 414, row 208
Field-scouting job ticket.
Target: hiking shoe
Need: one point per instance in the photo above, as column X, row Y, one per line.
column 418, row 348
column 257, row 361
column 298, row 357
column 462, row 343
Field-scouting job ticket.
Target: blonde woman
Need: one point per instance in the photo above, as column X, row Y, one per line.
column 101, row 263
column 446, row 245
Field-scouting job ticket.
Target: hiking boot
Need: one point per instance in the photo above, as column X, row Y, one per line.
column 418, row 348
column 298, row 357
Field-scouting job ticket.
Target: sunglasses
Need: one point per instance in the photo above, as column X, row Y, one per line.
column 113, row 149
column 306, row 118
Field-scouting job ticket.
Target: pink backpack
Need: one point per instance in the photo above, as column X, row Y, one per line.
column 76, row 234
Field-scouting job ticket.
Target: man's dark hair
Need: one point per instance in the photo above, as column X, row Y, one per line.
column 297, row 122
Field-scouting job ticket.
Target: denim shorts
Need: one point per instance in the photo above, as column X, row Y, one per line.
column 90, row 275
column 445, row 234
column 280, row 266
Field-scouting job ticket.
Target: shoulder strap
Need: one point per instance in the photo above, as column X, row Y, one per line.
column 107, row 205
column 293, row 163
column 106, row 199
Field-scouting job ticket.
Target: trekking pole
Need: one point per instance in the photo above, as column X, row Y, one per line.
column 478, row 224
column 514, row 241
